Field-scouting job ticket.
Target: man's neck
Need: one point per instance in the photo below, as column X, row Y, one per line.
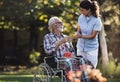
column 57, row 33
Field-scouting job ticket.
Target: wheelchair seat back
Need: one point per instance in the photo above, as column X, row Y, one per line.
column 50, row 60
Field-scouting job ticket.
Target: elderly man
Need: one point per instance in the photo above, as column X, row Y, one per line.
column 55, row 42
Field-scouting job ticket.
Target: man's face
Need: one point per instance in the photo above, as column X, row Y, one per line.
column 58, row 25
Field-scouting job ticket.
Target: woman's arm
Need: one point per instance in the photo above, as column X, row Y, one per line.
column 78, row 29
column 91, row 36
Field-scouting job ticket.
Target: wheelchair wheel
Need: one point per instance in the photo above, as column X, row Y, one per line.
column 43, row 74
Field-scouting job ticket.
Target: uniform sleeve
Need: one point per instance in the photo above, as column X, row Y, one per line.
column 98, row 25
column 80, row 19
column 48, row 46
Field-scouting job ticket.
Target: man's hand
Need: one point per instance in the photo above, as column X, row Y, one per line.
column 64, row 40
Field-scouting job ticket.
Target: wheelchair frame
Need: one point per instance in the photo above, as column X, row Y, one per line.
column 46, row 73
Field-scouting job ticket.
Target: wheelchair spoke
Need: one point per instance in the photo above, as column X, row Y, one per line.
column 42, row 74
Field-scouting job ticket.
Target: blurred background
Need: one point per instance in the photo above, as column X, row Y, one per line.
column 23, row 24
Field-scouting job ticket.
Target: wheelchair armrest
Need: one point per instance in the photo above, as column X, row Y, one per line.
column 48, row 57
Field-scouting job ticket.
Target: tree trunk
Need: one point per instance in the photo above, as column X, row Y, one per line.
column 103, row 47
column 34, row 39
column 15, row 41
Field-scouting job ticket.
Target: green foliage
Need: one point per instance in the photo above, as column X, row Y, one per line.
column 23, row 14
column 111, row 12
column 32, row 13
column 34, row 56
column 117, row 70
column 112, row 69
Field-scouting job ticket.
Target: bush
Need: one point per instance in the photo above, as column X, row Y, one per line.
column 34, row 56
column 112, row 70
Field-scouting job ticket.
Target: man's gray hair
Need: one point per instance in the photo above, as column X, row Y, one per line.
column 52, row 21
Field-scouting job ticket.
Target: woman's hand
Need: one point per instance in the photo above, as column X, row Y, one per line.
column 77, row 35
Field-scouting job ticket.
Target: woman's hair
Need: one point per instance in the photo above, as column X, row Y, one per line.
column 92, row 5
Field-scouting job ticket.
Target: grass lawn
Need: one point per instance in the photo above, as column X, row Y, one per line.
column 113, row 80
column 16, row 78
column 29, row 78
column 26, row 75
column 20, row 78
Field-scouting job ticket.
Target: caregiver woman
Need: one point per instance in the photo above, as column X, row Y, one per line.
column 89, row 25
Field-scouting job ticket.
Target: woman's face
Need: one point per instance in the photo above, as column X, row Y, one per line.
column 85, row 11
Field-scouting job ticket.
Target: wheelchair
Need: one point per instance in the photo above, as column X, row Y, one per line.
column 52, row 66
